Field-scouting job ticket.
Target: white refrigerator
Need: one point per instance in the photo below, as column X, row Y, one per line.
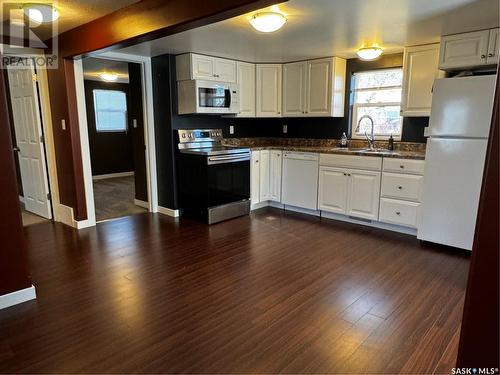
column 454, row 161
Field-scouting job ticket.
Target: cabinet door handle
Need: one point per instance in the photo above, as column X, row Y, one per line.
column 400, row 187
column 483, row 56
column 398, row 213
column 490, row 55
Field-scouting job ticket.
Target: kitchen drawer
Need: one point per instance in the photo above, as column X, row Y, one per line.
column 404, row 166
column 370, row 163
column 402, row 186
column 397, row 212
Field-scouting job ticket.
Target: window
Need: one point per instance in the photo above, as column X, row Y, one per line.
column 110, row 111
column 378, row 95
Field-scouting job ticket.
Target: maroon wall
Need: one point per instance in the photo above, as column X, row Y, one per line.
column 13, row 264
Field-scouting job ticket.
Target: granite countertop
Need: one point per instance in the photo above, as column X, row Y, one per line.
column 403, row 150
column 418, row 155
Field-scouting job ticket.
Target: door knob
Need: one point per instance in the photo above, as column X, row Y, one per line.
column 16, row 149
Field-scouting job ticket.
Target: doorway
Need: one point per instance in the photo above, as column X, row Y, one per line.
column 115, row 125
column 28, row 141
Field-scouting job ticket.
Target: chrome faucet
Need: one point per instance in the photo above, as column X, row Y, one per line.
column 371, row 138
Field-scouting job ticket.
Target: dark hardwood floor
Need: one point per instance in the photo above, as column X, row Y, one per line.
column 273, row 292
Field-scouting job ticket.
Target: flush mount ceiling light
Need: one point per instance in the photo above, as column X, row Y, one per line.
column 41, row 13
column 369, row 53
column 109, row 77
column 267, row 22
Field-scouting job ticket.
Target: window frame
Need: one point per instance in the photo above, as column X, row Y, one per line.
column 354, row 106
column 125, row 130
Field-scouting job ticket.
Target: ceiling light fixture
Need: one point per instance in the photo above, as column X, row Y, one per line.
column 267, row 22
column 369, row 53
column 109, row 77
column 41, row 13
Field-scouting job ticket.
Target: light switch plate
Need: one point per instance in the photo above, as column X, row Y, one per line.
column 285, row 129
column 63, row 124
column 231, row 129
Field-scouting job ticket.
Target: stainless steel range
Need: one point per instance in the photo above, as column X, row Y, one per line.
column 214, row 180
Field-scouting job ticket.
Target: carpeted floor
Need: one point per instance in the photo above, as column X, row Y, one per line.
column 114, row 197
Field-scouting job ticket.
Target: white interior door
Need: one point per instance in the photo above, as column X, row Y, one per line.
column 28, row 129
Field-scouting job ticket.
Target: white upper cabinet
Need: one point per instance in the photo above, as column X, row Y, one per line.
column 326, row 87
column 466, row 50
column 193, row 66
column 246, row 81
column 420, row 69
column 268, row 90
column 493, row 47
column 314, row 88
column 294, row 89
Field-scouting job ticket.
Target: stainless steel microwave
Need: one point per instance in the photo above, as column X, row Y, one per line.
column 209, row 97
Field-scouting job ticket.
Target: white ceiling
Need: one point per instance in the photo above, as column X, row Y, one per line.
column 318, row 28
column 93, row 67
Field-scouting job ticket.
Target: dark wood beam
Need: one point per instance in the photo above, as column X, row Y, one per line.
column 148, row 20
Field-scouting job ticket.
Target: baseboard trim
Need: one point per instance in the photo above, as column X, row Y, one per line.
column 168, row 211
column 17, row 297
column 64, row 214
column 112, row 175
column 306, row 211
column 142, row 204
column 373, row 224
column 339, row 217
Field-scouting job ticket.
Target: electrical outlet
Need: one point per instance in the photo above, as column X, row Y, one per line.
column 285, row 129
column 63, row 124
column 231, row 129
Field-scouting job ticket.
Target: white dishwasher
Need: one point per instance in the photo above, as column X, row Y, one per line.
column 300, row 179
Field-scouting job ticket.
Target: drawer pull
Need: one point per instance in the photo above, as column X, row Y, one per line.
column 400, row 187
column 402, row 166
column 398, row 213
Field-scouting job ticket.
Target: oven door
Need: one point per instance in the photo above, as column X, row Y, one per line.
column 228, row 179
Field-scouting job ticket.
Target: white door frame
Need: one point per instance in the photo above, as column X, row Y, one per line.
column 149, row 134
column 47, row 126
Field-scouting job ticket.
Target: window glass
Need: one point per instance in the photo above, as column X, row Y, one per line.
column 110, row 110
column 377, row 94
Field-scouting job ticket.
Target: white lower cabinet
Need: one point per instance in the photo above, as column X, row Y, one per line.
column 275, row 167
column 255, row 177
column 364, row 194
column 402, row 182
column 333, row 190
column 265, row 176
column 349, row 191
column 398, row 212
